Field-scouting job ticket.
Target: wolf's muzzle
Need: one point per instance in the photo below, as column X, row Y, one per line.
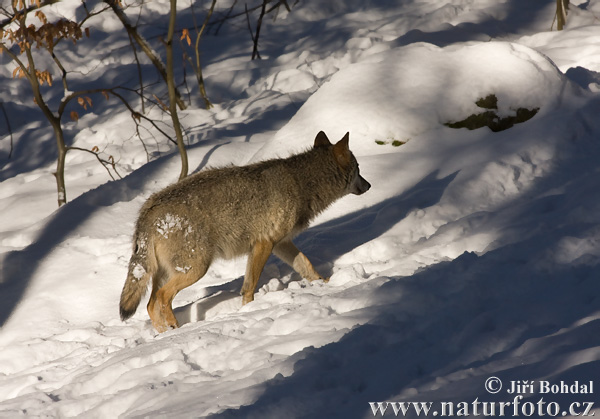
column 361, row 186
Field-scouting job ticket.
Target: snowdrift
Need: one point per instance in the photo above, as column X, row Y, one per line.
column 405, row 92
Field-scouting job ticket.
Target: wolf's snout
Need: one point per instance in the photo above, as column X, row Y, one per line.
column 361, row 186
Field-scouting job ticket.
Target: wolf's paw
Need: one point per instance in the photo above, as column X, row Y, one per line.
column 317, row 277
column 247, row 298
column 163, row 323
column 164, row 327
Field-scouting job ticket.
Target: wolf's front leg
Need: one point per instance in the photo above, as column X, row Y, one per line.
column 256, row 262
column 289, row 253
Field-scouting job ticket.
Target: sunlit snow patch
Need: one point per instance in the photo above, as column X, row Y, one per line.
column 401, row 93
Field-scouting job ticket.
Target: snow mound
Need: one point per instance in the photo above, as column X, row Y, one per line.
column 404, row 92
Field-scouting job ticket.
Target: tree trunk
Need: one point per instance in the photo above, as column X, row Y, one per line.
column 561, row 13
column 172, row 94
column 54, row 121
column 60, row 164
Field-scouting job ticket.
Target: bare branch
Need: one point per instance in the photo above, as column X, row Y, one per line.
column 144, row 45
column 198, row 67
column 16, row 59
column 255, row 53
column 172, row 90
column 250, row 30
column 136, row 115
column 74, row 95
column 227, row 16
column 206, row 19
column 63, row 72
column 102, row 161
column 15, row 15
column 285, row 4
column 233, row 16
column 139, row 70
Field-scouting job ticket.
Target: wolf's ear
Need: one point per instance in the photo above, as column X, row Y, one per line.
column 341, row 151
column 344, row 141
column 321, row 140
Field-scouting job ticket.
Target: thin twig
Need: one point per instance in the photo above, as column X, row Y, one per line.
column 255, row 53
column 198, row 67
column 100, row 159
column 227, row 16
column 135, row 114
column 230, row 16
column 63, row 72
column 139, row 69
column 143, row 45
column 199, row 76
column 31, row 8
column 249, row 27
column 184, row 69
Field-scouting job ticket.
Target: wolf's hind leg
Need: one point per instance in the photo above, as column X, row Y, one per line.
column 160, row 306
column 158, row 279
column 289, row 253
column 256, row 262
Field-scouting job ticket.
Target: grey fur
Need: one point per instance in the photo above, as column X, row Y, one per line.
column 233, row 211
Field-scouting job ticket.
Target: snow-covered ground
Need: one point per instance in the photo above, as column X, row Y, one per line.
column 476, row 254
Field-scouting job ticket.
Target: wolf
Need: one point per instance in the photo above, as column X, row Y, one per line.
column 227, row 212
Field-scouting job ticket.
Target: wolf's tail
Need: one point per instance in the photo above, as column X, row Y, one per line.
column 138, row 277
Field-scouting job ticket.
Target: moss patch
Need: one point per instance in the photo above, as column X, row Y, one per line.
column 488, row 102
column 490, row 118
column 394, row 143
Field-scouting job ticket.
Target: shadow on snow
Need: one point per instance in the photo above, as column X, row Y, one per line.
column 439, row 334
column 18, row 267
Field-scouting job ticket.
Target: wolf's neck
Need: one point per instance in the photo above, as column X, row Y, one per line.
column 322, row 181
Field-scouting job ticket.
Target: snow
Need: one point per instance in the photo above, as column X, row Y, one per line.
column 138, row 271
column 475, row 254
column 391, row 95
column 172, row 223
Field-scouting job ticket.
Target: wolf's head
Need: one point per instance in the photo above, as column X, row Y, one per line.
column 346, row 161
